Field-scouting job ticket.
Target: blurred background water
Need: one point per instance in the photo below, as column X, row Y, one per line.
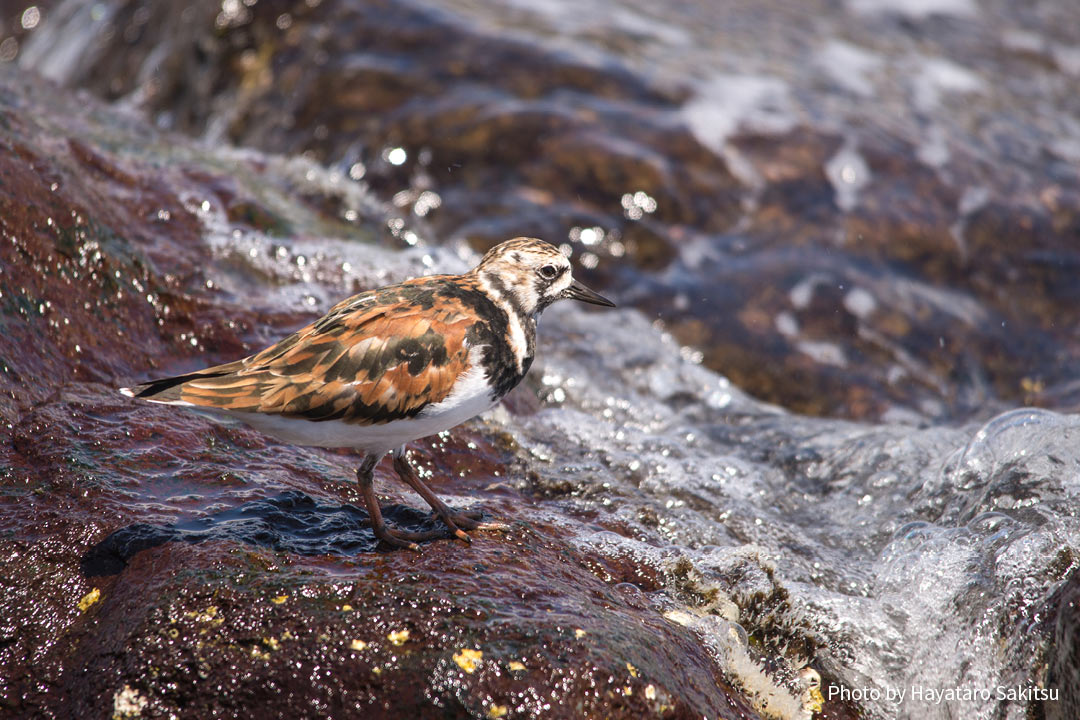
column 833, row 411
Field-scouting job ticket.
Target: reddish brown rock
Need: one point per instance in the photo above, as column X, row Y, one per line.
column 162, row 563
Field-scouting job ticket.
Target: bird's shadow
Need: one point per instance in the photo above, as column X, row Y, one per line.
column 289, row 522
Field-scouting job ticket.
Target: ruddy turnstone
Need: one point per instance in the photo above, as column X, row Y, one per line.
column 392, row 365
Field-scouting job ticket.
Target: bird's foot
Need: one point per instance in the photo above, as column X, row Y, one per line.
column 406, row 539
column 459, row 522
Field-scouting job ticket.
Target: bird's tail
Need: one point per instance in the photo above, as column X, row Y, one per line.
column 167, row 390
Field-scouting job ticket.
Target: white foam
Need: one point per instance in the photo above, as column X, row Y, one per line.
column 916, row 9
column 937, row 77
column 67, row 39
column 850, row 66
column 860, row 302
column 727, row 103
column 934, row 148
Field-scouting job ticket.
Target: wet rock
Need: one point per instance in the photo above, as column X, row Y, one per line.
column 292, row 638
column 496, row 136
column 1063, row 666
column 162, row 563
column 652, row 504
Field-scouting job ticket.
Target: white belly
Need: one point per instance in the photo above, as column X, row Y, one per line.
column 470, row 397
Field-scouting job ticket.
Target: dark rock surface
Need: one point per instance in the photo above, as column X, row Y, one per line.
column 670, row 539
column 161, row 564
column 969, row 261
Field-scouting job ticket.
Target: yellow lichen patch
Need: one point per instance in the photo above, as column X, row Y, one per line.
column 286, row 635
column 205, row 616
column 398, row 637
column 579, row 633
column 631, row 669
column 497, row 711
column 346, row 607
column 89, row 599
column 812, row 700
column 278, row 599
column 1032, row 385
column 128, row 703
column 271, row 642
column 516, row 666
column 628, row 691
column 357, row 645
column 468, row 660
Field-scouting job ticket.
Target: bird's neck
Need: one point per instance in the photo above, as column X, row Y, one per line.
column 520, row 318
column 516, row 296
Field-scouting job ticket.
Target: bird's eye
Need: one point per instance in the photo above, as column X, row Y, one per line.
column 548, row 272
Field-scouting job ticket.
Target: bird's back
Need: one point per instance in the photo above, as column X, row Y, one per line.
column 379, row 356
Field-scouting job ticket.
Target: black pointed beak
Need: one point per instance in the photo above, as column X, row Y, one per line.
column 577, row 291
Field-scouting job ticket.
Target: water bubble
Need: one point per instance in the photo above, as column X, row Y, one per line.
column 9, row 49
column 427, row 202
column 31, row 17
column 637, row 204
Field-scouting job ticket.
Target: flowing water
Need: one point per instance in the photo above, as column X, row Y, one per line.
column 863, row 209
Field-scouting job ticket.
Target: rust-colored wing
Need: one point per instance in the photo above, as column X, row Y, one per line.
column 376, row 357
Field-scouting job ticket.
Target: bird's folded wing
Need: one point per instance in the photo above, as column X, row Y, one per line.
column 366, row 362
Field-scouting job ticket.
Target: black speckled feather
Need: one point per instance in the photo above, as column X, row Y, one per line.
column 378, row 356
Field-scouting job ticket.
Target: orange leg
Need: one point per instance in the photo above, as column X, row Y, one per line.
column 365, row 475
column 456, row 521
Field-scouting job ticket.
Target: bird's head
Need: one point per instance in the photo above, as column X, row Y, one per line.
column 531, row 274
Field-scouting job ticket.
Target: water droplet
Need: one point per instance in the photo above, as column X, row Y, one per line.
column 9, row 49
column 31, row 17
